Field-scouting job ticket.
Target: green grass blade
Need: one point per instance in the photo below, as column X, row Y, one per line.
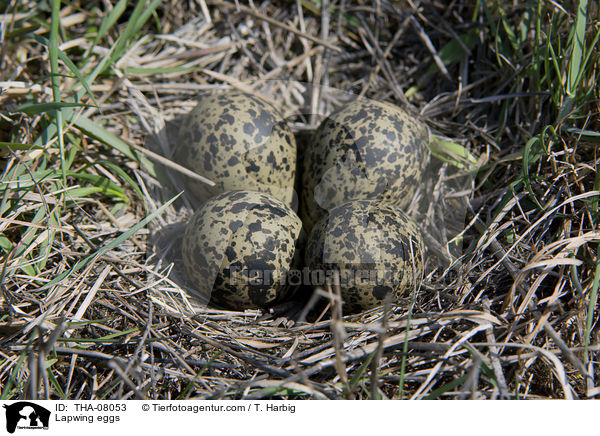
column 130, row 30
column 7, row 390
column 453, row 153
column 527, row 158
column 121, row 173
column 50, row 132
column 361, row 371
column 69, row 63
column 98, row 132
column 190, row 385
column 134, row 24
column 19, row 146
column 452, row 52
column 45, row 246
column 147, row 12
column 55, row 383
column 596, row 281
column 588, row 55
column 22, row 31
column 108, row 22
column 5, row 244
column 512, row 37
column 140, row 71
column 53, row 55
column 577, row 49
column 84, row 193
column 27, row 239
column 446, row 388
column 535, row 148
column 31, row 233
column 71, row 66
column 138, row 18
column 105, row 185
column 36, row 108
column 584, row 134
column 592, row 304
column 557, row 72
column 53, row 49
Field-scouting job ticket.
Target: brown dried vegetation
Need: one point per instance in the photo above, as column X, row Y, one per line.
column 90, row 308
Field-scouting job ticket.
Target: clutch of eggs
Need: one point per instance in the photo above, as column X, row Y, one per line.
column 361, row 169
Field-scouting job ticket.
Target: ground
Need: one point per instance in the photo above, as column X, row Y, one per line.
column 90, row 307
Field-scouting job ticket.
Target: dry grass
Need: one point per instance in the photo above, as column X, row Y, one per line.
column 92, row 305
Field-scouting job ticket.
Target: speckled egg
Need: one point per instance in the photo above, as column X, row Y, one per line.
column 366, row 150
column 239, row 141
column 238, row 248
column 375, row 248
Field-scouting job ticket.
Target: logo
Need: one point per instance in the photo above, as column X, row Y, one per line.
column 26, row 415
